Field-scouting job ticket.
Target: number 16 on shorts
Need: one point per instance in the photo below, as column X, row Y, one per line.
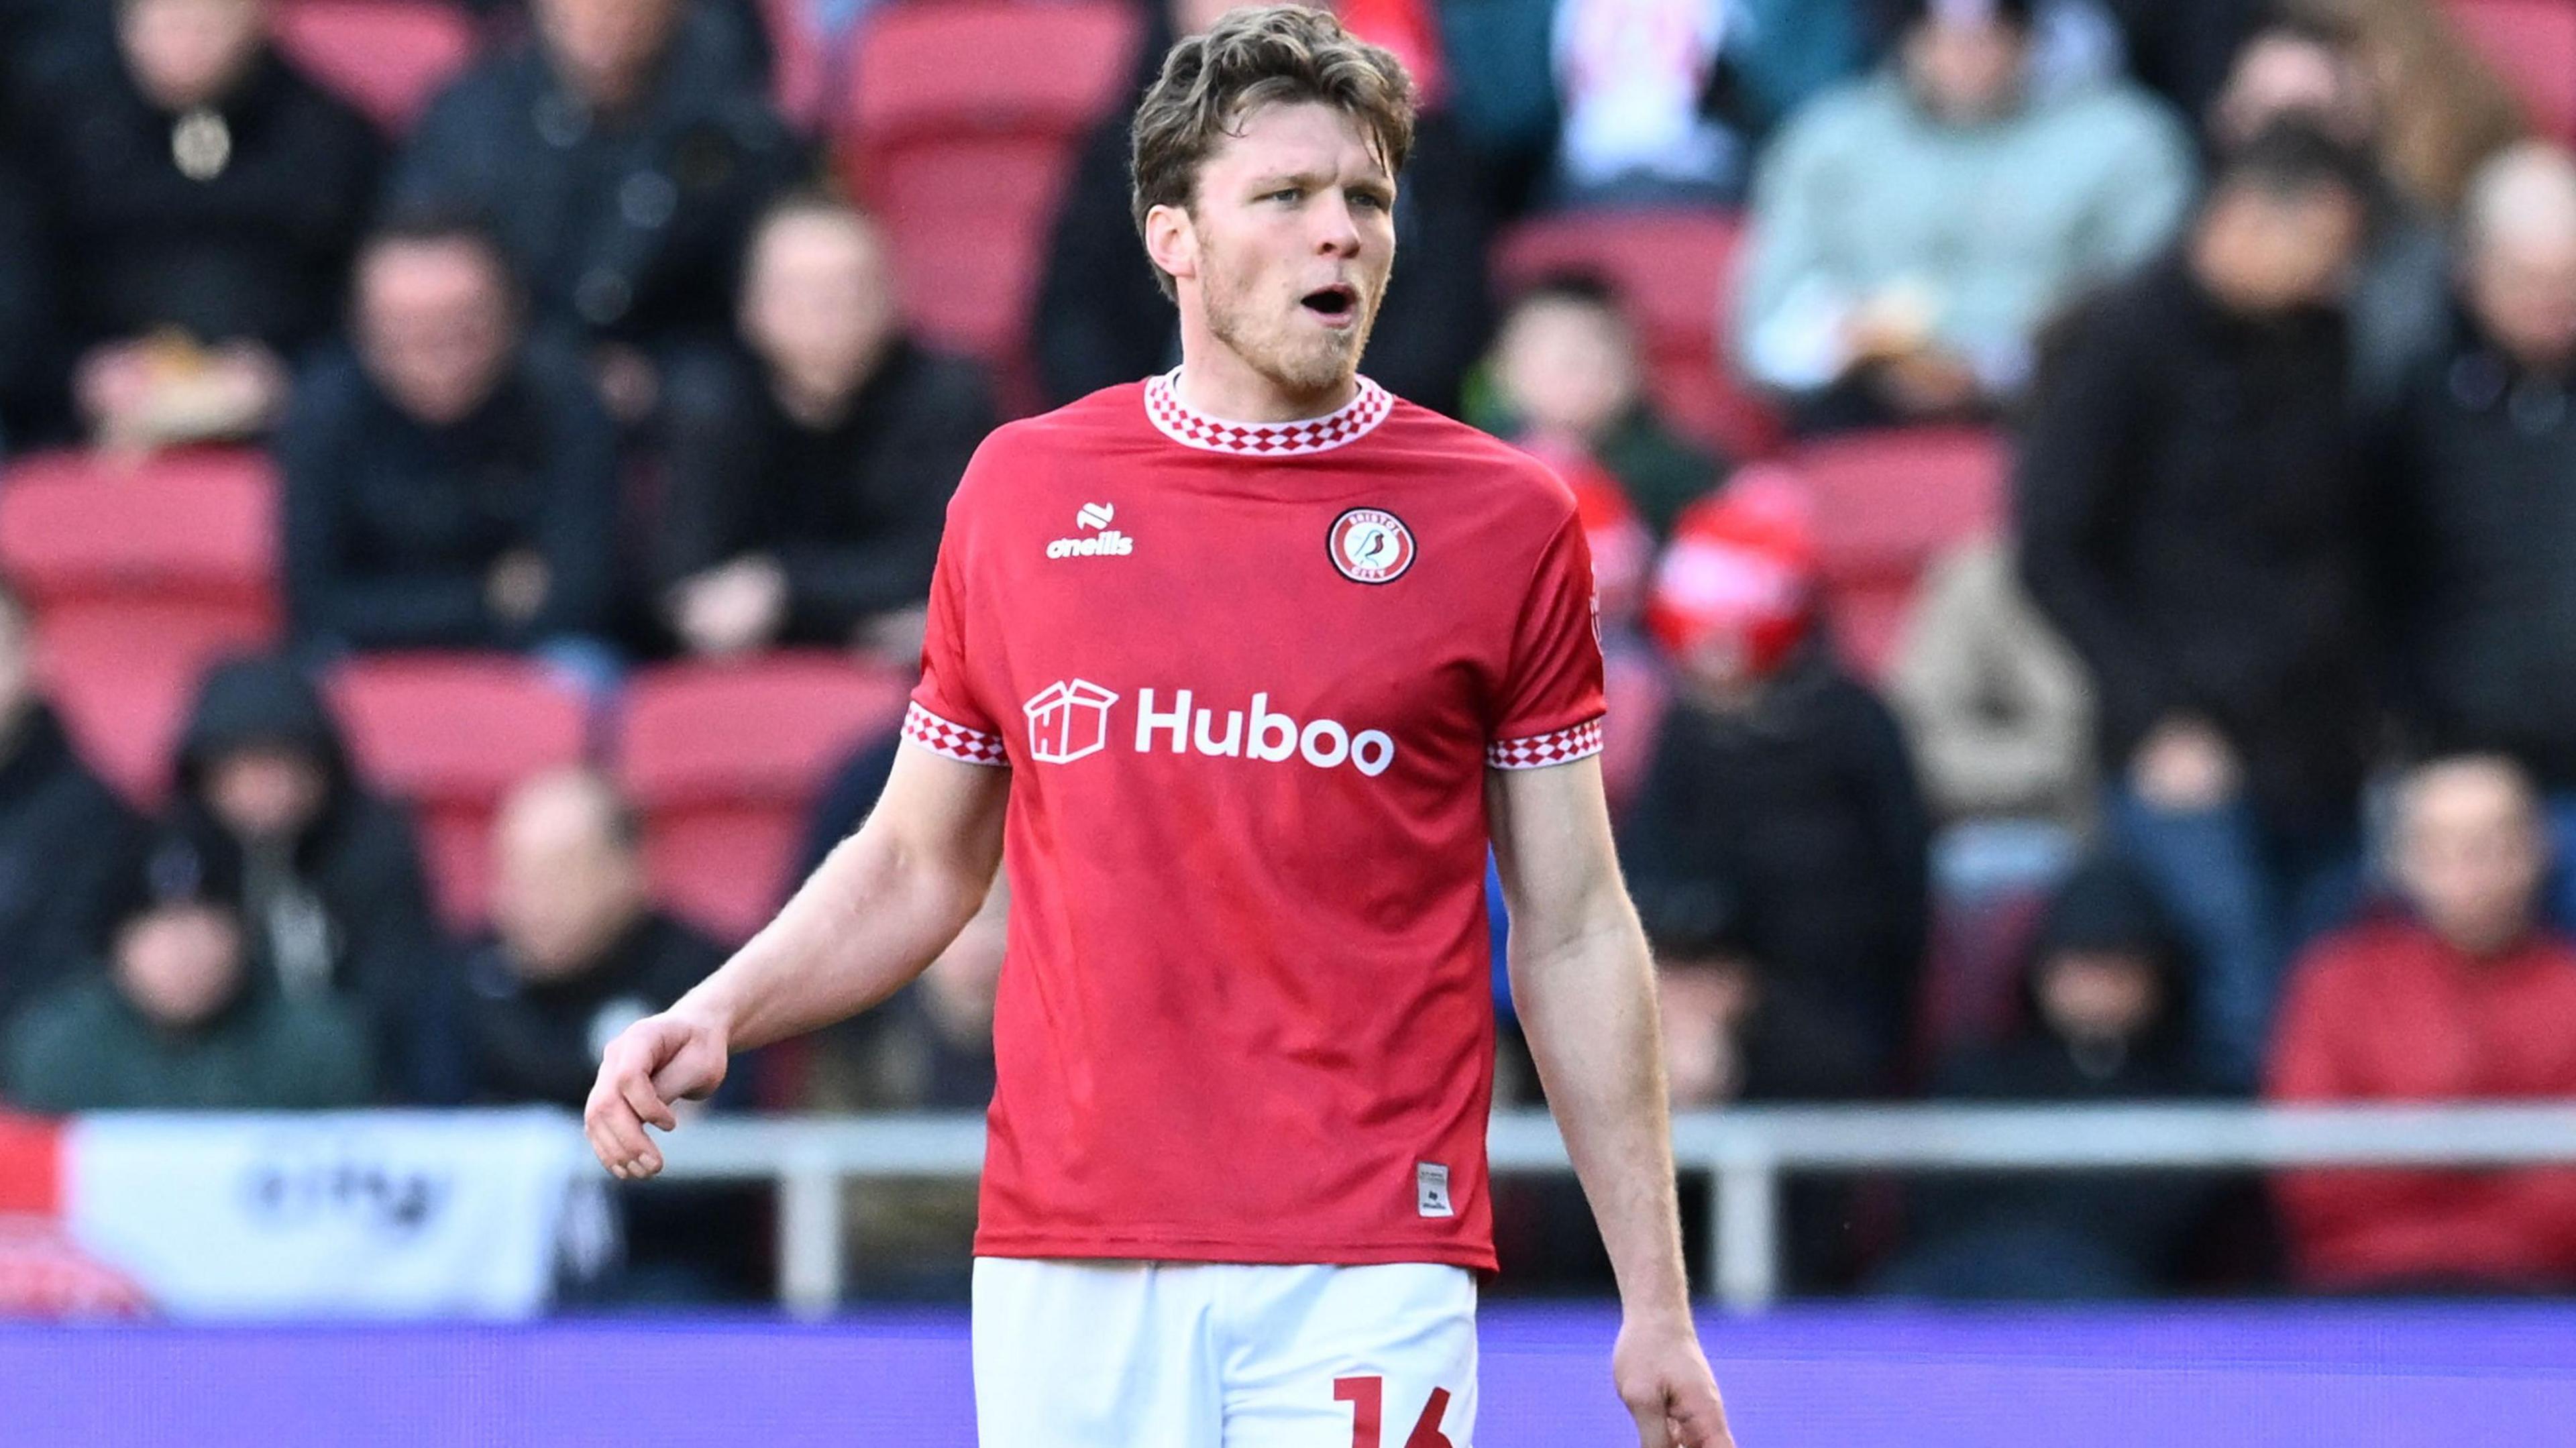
column 1367, row 1397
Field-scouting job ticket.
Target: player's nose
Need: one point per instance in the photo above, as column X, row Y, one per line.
column 1337, row 231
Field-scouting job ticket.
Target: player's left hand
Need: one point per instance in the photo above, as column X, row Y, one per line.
column 1665, row 1380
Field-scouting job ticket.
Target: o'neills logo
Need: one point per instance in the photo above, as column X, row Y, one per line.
column 1112, row 544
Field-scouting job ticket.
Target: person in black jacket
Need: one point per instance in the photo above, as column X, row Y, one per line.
column 621, row 156
column 29, row 361
column 447, row 485
column 1102, row 318
column 2481, row 459
column 2106, row 1020
column 63, row 836
column 577, row 952
column 329, row 876
column 2192, row 508
column 208, row 198
column 808, row 509
column 1783, row 783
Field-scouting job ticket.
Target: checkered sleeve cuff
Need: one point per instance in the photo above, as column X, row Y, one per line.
column 952, row 741
column 1537, row 751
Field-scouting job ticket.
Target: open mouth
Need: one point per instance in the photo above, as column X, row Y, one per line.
column 1334, row 306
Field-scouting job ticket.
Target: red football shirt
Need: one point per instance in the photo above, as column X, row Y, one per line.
column 1248, row 680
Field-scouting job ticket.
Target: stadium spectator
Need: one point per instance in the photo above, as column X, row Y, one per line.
column 2482, row 458
column 621, row 157
column 1637, row 86
column 2106, row 1021
column 1726, row 1037
column 63, row 837
column 807, row 507
column 1568, row 381
column 2312, row 73
column 2465, row 997
column 577, row 952
column 329, row 878
column 448, row 485
column 177, row 1019
column 207, row 196
column 1781, row 781
column 2000, row 718
column 1102, row 317
column 30, row 367
column 2190, row 495
column 1872, row 293
column 2446, row 110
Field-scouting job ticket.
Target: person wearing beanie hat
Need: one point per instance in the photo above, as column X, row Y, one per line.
column 176, row 1018
column 1872, row 295
column 2105, row 1018
column 1781, row 779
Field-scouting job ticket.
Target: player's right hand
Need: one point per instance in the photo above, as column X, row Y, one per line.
column 652, row 1063
column 1665, row 1380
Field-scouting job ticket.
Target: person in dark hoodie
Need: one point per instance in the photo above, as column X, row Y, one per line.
column 207, row 196
column 178, row 1019
column 2193, row 504
column 62, row 834
column 1102, row 318
column 1781, row 778
column 329, row 876
column 577, row 952
column 2106, row 1019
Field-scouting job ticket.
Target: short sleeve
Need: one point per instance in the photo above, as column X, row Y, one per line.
column 943, row 716
column 1551, row 702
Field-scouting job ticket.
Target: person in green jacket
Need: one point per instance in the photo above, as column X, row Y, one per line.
column 177, row 1018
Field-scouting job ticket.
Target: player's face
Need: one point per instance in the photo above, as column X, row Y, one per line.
column 1290, row 242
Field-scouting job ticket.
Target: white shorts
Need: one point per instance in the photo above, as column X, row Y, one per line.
column 1195, row 1355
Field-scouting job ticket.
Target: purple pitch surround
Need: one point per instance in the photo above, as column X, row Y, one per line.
column 2254, row 1376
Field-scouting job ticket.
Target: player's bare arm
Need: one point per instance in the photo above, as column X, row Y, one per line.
column 1583, row 984
column 880, row 908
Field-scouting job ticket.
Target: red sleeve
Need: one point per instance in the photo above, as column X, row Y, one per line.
column 945, row 717
column 1550, row 708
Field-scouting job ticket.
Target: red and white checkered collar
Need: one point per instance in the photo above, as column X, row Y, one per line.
column 1264, row 439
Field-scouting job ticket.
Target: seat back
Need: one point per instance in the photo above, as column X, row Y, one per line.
column 2532, row 45
column 453, row 734
column 1886, row 504
column 388, row 58
column 725, row 760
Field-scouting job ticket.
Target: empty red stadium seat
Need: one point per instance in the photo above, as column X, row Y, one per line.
column 139, row 577
column 960, row 131
column 724, row 760
column 1675, row 270
column 2532, row 44
column 1887, row 504
column 452, row 733
column 388, row 58
column 123, row 672
column 194, row 525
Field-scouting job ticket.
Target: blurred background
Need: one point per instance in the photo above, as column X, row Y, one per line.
column 2083, row 492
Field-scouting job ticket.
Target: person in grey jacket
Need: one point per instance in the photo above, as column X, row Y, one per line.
column 1911, row 232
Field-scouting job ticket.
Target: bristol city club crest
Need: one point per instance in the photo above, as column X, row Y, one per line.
column 1370, row 545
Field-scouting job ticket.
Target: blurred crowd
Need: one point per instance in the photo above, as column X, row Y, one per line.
column 2234, row 755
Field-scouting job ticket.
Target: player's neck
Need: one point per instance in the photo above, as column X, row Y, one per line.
column 1216, row 383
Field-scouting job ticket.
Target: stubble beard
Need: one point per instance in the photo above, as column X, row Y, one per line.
column 1269, row 345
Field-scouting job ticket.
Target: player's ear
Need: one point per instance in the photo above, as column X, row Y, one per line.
column 1172, row 240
